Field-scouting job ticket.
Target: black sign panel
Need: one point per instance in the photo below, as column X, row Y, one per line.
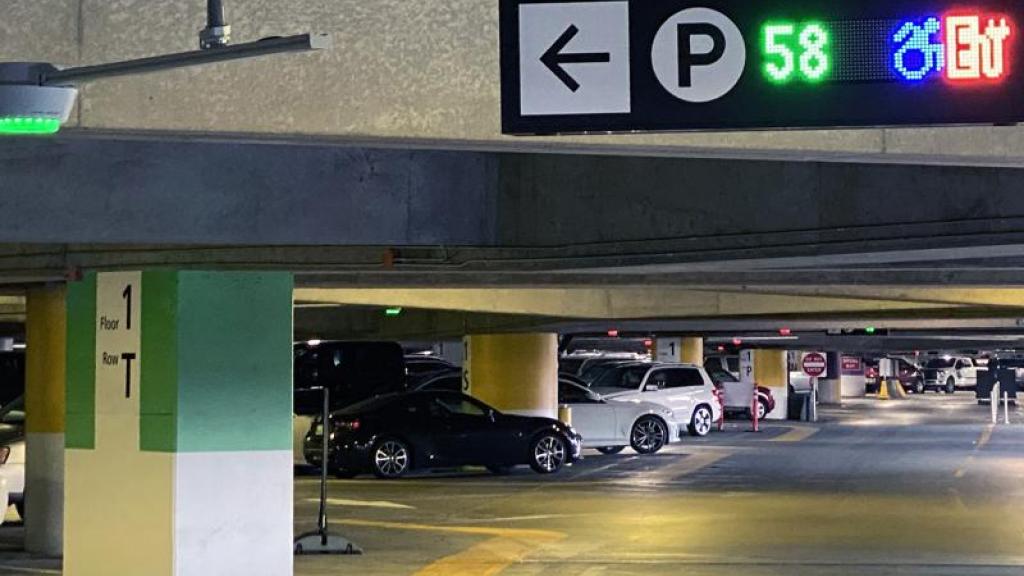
column 671, row 65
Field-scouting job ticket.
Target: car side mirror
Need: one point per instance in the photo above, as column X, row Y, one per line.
column 651, row 388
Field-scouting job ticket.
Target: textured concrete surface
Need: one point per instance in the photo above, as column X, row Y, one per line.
column 400, row 70
column 923, row 487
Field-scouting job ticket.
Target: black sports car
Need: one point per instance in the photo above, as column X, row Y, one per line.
column 393, row 434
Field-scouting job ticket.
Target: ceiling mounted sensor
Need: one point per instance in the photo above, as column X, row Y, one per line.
column 37, row 97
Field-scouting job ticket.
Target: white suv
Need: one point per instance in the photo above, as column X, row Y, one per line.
column 685, row 389
column 947, row 373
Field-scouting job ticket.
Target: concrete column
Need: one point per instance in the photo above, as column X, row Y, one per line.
column 515, row 373
column 178, row 449
column 45, row 361
column 693, row 351
column 771, row 370
column 686, row 350
column 830, row 389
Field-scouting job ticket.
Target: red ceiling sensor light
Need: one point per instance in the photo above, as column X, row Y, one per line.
column 785, row 332
column 721, row 348
column 648, row 343
column 613, row 333
column 737, row 341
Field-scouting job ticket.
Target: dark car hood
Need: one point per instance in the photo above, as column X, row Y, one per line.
column 532, row 421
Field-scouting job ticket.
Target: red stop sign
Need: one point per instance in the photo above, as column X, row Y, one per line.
column 814, row 364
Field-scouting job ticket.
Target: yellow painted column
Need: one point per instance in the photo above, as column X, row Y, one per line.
column 693, row 351
column 45, row 369
column 771, row 370
column 515, row 373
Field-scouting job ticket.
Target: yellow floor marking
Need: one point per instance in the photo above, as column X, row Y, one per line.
column 363, row 503
column 505, row 547
column 692, row 463
column 796, row 434
column 983, row 440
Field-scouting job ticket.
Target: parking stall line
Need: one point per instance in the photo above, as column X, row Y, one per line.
column 796, row 434
column 506, row 546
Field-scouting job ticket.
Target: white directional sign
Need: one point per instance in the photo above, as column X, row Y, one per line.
column 574, row 58
column 699, row 55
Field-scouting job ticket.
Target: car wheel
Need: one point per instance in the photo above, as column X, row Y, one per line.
column 950, row 386
column 548, row 454
column 500, row 470
column 390, row 459
column 700, row 424
column 609, row 450
column 762, row 409
column 648, row 436
column 919, row 387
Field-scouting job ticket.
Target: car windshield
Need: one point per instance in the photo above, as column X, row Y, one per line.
column 936, row 363
column 626, row 377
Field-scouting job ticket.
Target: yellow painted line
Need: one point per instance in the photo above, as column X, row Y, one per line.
column 470, row 530
column 796, row 434
column 684, row 466
column 986, row 435
column 363, row 503
column 983, row 440
column 506, row 546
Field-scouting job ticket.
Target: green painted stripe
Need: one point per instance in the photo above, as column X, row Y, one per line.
column 159, row 362
column 234, row 361
column 81, row 364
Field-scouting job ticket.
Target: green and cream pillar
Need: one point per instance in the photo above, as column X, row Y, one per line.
column 515, row 373
column 45, row 374
column 178, row 445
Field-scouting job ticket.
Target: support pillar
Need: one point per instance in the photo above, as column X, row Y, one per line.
column 693, row 351
column 771, row 370
column 830, row 389
column 515, row 373
column 685, row 350
column 178, row 446
column 45, row 354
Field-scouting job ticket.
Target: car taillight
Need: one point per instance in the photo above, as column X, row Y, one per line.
column 5, row 453
column 347, row 425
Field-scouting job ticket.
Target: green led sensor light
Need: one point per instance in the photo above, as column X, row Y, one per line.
column 29, row 125
column 396, row 311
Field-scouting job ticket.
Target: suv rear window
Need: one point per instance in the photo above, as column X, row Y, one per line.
column 628, row 377
column 668, row 378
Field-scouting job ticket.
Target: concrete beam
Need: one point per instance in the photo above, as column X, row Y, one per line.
column 423, row 70
column 611, row 303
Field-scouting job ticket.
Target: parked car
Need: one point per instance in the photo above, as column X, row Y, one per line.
column 450, row 381
column 725, row 380
column 393, row 434
column 910, row 376
column 947, row 373
column 610, row 425
column 593, row 368
column 685, row 389
column 353, row 371
column 12, row 456
column 416, row 365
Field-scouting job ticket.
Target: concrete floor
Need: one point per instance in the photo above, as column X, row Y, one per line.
column 923, row 486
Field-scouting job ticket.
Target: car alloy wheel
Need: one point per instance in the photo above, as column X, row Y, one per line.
column 951, row 386
column 702, row 421
column 390, row 459
column 762, row 409
column 648, row 436
column 919, row 387
column 548, row 454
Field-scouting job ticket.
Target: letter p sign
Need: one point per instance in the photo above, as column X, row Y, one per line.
column 699, row 55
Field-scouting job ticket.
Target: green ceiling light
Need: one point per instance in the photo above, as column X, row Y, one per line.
column 396, row 311
column 870, row 329
column 27, row 125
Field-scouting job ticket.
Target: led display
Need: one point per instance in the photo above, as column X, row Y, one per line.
column 640, row 65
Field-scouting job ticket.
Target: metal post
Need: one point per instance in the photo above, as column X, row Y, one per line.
column 754, row 410
column 1006, row 407
column 325, row 456
column 321, row 541
column 994, row 403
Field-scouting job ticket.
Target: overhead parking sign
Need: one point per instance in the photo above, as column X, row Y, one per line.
column 643, row 65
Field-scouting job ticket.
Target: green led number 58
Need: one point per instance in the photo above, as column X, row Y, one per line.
column 793, row 51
